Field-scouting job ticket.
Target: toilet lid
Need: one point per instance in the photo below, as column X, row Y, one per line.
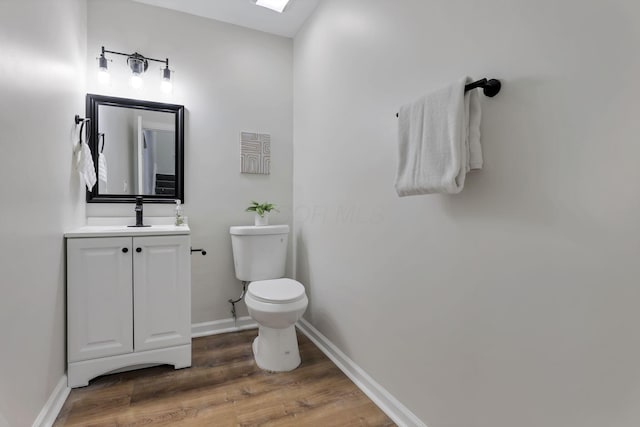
column 276, row 291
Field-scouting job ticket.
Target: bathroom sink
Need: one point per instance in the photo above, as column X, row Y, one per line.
column 125, row 230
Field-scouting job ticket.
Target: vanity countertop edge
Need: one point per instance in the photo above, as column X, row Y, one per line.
column 124, row 231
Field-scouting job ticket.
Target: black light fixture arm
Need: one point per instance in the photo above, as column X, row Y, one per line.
column 135, row 55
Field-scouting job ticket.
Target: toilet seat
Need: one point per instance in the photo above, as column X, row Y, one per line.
column 276, row 291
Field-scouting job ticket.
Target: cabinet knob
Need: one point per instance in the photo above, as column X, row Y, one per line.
column 138, row 250
column 125, row 250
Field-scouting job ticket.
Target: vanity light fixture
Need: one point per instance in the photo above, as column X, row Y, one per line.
column 277, row 5
column 138, row 65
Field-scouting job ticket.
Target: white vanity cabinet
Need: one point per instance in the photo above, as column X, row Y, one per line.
column 128, row 299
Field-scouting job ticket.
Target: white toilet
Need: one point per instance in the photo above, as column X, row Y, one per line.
column 276, row 303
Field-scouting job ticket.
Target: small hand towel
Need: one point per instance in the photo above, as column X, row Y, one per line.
column 86, row 167
column 439, row 141
column 102, row 171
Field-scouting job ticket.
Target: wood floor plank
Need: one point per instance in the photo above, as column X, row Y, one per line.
column 224, row 387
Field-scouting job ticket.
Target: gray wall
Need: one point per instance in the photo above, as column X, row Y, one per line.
column 42, row 73
column 230, row 79
column 514, row 303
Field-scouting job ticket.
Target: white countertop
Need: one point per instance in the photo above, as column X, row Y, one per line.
column 119, row 228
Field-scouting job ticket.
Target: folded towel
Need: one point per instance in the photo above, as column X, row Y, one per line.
column 86, row 167
column 102, row 172
column 439, row 141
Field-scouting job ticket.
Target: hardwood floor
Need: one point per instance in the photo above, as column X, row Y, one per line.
column 224, row 387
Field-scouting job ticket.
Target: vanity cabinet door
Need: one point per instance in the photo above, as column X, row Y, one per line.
column 162, row 291
column 99, row 297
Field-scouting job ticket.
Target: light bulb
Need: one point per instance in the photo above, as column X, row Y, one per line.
column 166, row 86
column 103, row 76
column 136, row 81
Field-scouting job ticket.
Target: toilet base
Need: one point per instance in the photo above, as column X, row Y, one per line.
column 276, row 350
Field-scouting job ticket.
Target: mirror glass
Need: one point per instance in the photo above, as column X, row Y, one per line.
column 140, row 145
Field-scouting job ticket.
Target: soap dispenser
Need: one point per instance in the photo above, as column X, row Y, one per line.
column 179, row 215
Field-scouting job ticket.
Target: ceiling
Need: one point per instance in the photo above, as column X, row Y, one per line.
column 245, row 13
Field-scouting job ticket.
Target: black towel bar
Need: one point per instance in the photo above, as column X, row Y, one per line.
column 490, row 87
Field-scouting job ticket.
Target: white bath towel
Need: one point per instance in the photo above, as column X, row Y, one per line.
column 439, row 141
column 102, row 171
column 85, row 166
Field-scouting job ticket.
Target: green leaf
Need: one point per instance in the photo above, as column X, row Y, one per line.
column 261, row 208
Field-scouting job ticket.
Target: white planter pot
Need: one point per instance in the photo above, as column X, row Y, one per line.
column 261, row 220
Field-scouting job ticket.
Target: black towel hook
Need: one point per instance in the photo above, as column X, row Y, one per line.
column 79, row 119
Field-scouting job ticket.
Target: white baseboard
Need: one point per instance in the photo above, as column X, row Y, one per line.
column 399, row 413
column 222, row 326
column 51, row 409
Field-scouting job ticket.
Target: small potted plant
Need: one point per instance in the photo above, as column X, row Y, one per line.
column 261, row 212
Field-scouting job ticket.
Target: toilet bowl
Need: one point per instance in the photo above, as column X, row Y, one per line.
column 274, row 302
column 276, row 305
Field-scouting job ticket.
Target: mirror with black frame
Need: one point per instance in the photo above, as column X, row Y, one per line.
column 138, row 150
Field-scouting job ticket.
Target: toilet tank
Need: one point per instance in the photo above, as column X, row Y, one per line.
column 259, row 253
